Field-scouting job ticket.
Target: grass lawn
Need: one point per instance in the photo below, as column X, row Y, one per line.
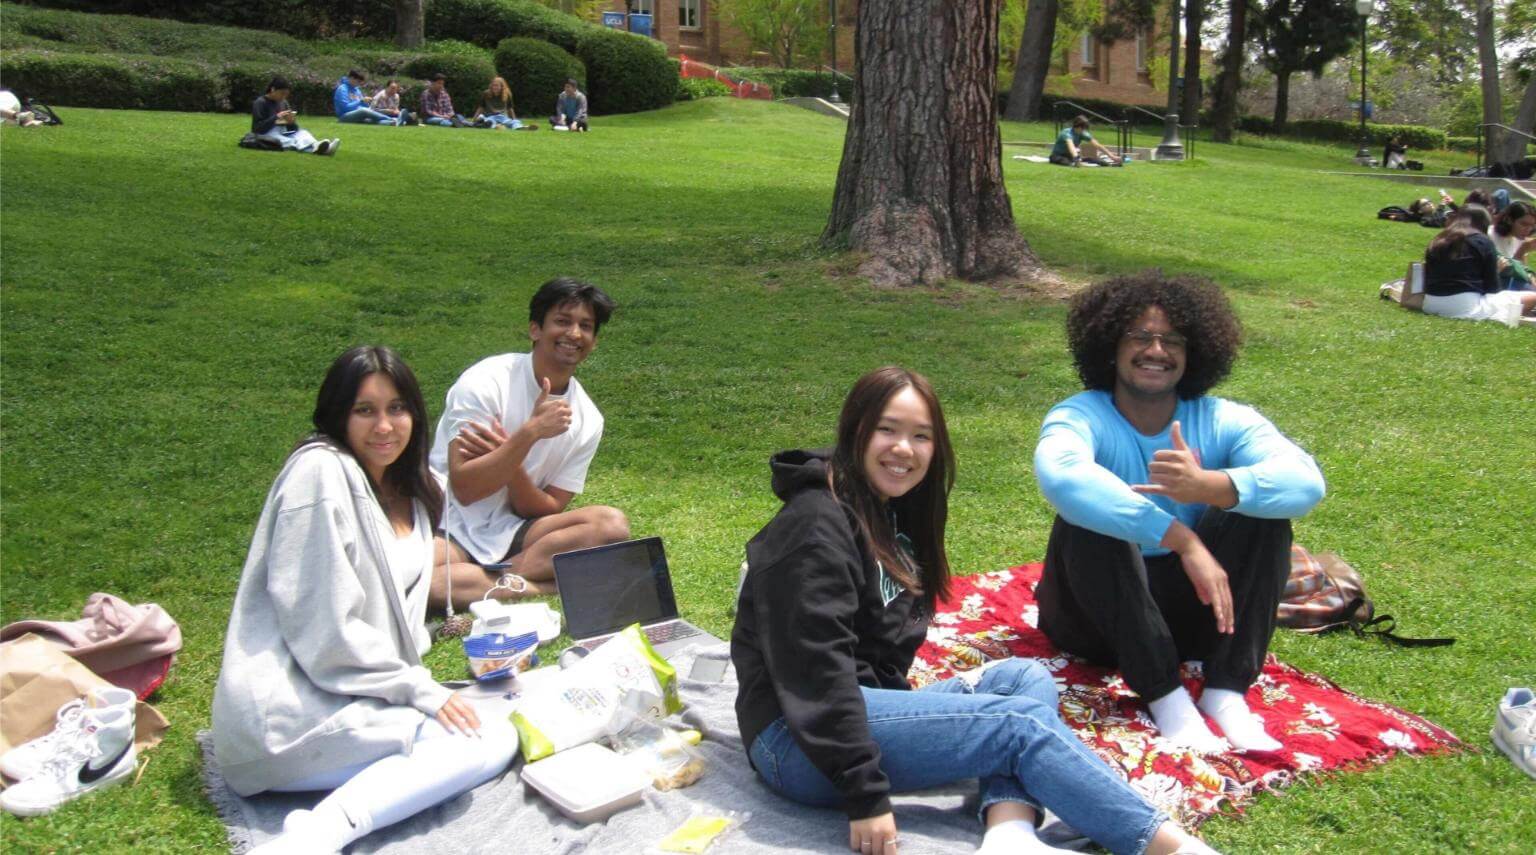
column 170, row 303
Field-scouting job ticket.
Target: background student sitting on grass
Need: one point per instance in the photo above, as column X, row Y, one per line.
column 437, row 106
column 1071, row 142
column 273, row 119
column 347, row 100
column 495, row 108
column 1461, row 274
column 570, row 108
column 387, row 101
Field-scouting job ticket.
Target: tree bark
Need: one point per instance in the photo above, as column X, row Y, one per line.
column 1224, row 105
column 1282, row 99
column 1189, row 112
column 1488, row 58
column 1034, row 61
column 920, row 190
column 410, row 23
column 1525, row 120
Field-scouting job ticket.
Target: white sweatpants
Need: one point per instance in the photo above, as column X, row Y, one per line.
column 440, row 766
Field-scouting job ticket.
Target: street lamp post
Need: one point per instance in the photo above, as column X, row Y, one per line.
column 1363, row 156
column 832, row 28
column 1170, row 148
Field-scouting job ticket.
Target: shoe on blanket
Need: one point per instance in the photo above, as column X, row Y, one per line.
column 98, row 754
column 25, row 760
column 1514, row 729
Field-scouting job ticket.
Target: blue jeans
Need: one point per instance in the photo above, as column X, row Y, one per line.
column 439, row 120
column 367, row 115
column 1005, row 730
column 502, row 119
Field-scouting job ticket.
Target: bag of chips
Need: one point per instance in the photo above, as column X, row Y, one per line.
column 575, row 706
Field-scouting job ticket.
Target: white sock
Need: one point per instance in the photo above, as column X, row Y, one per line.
column 1179, row 722
column 1014, row 837
column 1243, row 729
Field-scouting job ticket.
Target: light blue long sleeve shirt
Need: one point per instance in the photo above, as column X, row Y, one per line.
column 346, row 97
column 1089, row 455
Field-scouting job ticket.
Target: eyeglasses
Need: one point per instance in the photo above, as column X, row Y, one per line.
column 1143, row 339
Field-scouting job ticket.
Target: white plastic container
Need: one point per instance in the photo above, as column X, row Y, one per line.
column 588, row 783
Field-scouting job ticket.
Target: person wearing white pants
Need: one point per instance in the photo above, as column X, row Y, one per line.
column 322, row 684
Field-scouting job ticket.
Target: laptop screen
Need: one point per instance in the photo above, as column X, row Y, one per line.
column 606, row 588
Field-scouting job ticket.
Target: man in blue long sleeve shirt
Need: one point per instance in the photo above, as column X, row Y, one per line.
column 1173, row 535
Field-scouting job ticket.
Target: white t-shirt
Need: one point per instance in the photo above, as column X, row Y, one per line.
column 408, row 554
column 10, row 103
column 1507, row 245
column 504, row 387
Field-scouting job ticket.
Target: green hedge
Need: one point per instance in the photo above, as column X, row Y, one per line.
column 311, row 95
column 102, row 80
column 626, row 73
column 468, row 76
column 309, row 18
column 1461, row 143
column 696, row 88
column 85, row 33
column 487, row 22
column 1334, row 130
column 536, row 70
column 795, row 82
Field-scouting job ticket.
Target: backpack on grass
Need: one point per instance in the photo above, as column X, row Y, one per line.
column 1325, row 593
column 251, row 141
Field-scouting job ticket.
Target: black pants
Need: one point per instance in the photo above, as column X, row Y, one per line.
column 1101, row 600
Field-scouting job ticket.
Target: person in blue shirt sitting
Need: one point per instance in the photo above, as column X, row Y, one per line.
column 1173, row 531
column 1072, row 142
column 352, row 107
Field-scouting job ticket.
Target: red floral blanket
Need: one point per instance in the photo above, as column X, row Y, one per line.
column 1323, row 727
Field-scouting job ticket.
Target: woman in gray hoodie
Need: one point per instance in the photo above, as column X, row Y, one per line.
column 322, row 686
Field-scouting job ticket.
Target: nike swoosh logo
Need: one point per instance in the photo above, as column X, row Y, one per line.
column 91, row 776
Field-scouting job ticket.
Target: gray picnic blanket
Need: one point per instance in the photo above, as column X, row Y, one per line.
column 504, row 816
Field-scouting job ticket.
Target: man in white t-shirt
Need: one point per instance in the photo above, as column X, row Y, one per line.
column 514, row 443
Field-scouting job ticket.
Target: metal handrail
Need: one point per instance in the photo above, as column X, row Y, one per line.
column 1122, row 127
column 1506, row 128
column 837, row 73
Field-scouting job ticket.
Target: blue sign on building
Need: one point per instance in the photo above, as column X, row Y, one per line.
column 613, row 20
column 640, row 24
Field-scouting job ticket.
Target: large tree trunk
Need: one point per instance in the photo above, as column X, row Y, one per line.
column 1189, row 112
column 920, row 191
column 1282, row 99
column 1224, row 106
column 410, row 23
column 1488, row 58
column 1034, row 61
column 1525, row 120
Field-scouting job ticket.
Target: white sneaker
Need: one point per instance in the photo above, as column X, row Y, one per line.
column 99, row 754
column 26, row 759
column 335, row 147
column 1514, row 729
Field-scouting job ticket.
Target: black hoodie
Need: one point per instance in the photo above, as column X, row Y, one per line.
column 812, row 627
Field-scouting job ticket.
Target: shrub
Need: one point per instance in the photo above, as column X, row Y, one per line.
column 626, row 73
column 311, row 18
column 166, row 83
column 71, row 79
column 467, row 76
column 487, row 22
column 696, row 88
column 795, row 82
column 149, row 36
column 1461, row 143
column 1335, row 130
column 536, row 70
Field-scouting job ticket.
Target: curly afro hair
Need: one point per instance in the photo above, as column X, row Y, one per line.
column 1102, row 314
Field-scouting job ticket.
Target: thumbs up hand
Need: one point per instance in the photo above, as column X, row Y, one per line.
column 1176, row 473
column 551, row 416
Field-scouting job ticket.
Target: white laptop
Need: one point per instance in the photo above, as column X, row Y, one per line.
column 606, row 588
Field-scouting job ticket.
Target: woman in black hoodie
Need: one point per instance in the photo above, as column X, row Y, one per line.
column 839, row 590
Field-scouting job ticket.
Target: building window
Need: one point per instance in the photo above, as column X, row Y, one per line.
column 1088, row 54
column 688, row 14
column 642, row 7
column 1141, row 51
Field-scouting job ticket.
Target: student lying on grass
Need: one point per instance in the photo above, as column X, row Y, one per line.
column 322, row 686
column 1172, row 540
column 1462, row 274
column 839, row 591
column 272, row 119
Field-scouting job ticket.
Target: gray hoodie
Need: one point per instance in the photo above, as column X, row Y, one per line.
column 322, row 664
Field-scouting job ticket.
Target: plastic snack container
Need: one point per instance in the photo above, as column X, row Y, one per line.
column 588, row 783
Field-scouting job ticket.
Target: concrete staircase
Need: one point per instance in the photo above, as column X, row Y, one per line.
column 820, row 105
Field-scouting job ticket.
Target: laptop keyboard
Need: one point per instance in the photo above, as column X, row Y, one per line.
column 660, row 633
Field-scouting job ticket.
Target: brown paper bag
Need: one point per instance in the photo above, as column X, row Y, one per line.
column 36, row 678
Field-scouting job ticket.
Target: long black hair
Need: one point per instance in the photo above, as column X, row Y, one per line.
column 1504, row 223
column 923, row 511
column 1469, row 220
column 408, row 475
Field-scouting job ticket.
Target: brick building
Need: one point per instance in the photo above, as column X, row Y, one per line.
column 1110, row 70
